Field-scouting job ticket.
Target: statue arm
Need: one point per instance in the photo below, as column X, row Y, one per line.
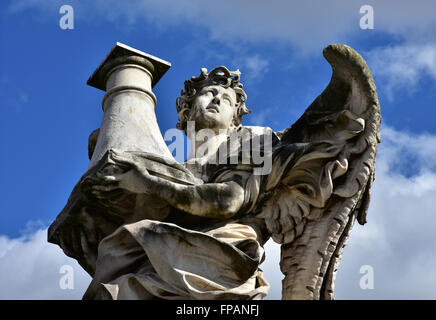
column 211, row 200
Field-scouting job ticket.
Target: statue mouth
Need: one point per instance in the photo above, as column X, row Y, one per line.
column 213, row 108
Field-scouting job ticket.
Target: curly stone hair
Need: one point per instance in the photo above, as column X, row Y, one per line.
column 218, row 76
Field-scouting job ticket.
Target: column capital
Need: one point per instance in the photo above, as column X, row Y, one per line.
column 123, row 54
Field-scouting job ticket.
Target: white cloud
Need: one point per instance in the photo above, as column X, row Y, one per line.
column 253, row 66
column 263, row 117
column 308, row 25
column 398, row 240
column 413, row 21
column 403, row 67
column 271, row 270
column 29, row 269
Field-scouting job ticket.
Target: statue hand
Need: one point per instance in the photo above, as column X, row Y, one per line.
column 124, row 174
column 131, row 180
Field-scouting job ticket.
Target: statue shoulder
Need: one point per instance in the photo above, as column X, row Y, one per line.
column 253, row 131
column 258, row 130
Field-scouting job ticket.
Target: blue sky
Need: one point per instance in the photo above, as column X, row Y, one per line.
column 48, row 112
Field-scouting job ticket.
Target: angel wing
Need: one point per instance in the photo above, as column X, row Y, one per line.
column 322, row 177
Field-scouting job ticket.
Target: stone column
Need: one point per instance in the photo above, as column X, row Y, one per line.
column 129, row 122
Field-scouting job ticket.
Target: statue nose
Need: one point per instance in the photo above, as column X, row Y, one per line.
column 216, row 100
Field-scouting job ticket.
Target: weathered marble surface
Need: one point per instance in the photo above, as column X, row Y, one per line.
column 147, row 227
column 129, row 124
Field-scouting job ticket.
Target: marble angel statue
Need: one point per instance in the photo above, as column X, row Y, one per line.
column 205, row 234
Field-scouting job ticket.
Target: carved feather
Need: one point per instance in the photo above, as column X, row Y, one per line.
column 315, row 201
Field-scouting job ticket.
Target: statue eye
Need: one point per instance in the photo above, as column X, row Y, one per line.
column 226, row 97
column 207, row 92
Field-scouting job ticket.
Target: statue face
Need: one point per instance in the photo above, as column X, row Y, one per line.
column 214, row 108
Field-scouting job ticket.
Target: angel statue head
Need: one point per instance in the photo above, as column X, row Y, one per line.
column 214, row 100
